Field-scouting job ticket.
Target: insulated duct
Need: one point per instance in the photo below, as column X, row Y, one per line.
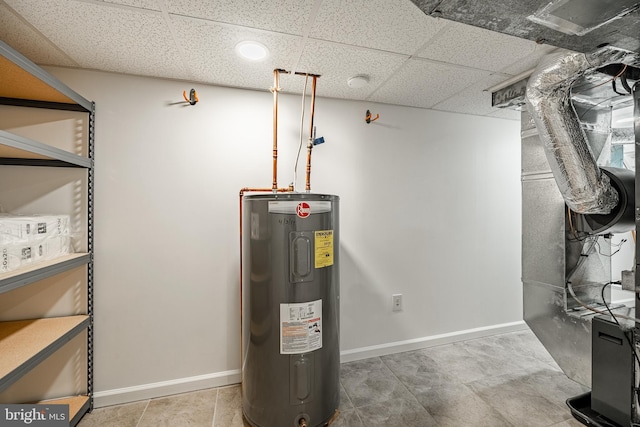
column 584, row 187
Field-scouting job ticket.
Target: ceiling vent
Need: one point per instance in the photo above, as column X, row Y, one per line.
column 579, row 17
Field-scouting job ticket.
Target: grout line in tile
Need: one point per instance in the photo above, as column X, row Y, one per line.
column 215, row 407
column 405, row 387
column 346, row 393
column 358, row 415
column 143, row 412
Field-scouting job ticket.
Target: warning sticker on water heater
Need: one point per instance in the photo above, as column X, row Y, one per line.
column 323, row 248
column 300, row 327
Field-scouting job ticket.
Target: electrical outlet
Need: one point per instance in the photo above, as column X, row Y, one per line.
column 396, row 300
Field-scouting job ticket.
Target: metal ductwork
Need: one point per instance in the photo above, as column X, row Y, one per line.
column 595, row 22
column 566, row 129
column 579, row 203
column 584, row 187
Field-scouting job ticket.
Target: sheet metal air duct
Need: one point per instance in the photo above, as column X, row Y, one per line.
column 559, row 169
column 584, row 187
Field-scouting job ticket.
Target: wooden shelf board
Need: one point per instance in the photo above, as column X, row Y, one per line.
column 25, row 343
column 16, row 153
column 24, row 80
column 17, row 83
column 78, row 405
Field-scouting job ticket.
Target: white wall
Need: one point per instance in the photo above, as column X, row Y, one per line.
column 430, row 208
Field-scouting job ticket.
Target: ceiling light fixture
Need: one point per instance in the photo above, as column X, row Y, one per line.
column 252, row 50
column 359, row 81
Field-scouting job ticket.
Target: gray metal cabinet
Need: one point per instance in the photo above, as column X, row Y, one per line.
column 28, row 343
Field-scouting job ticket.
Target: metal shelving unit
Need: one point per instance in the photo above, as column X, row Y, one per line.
column 27, row 343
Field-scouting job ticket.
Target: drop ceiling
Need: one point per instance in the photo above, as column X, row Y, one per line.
column 411, row 57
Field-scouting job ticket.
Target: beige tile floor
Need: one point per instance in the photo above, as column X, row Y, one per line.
column 506, row 380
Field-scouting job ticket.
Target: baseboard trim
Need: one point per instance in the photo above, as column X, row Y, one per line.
column 430, row 341
column 165, row 388
column 225, row 378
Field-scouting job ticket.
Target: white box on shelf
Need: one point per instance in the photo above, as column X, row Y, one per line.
column 14, row 256
column 27, row 228
column 51, row 247
column 27, row 239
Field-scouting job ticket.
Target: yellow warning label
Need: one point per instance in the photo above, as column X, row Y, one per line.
column 324, row 248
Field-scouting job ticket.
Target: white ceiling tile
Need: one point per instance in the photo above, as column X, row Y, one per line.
column 476, row 47
column 530, row 61
column 506, row 113
column 336, row 63
column 107, row 38
column 474, row 99
column 284, row 16
column 422, row 83
column 335, row 38
column 391, row 25
column 209, row 49
column 142, row 4
column 20, row 36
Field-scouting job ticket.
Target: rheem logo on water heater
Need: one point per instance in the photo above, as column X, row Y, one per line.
column 303, row 209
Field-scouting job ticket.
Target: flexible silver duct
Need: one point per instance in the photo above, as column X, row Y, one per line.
column 583, row 186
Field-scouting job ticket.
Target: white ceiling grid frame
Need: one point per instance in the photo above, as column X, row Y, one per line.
column 476, row 48
column 186, row 60
column 401, row 66
column 531, row 60
column 25, row 38
column 474, row 99
column 305, row 36
column 92, row 43
column 335, row 38
column 506, row 113
column 205, row 42
column 141, row 4
column 336, row 63
column 391, row 25
column 405, row 87
column 282, row 16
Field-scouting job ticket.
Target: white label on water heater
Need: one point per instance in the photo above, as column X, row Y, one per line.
column 300, row 327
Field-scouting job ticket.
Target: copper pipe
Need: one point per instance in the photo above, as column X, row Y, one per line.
column 275, row 89
column 336, row 414
column 313, row 105
column 310, row 144
column 261, row 190
column 251, row 190
column 242, row 191
column 308, row 184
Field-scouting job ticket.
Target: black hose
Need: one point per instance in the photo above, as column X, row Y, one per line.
column 604, row 301
column 625, row 84
column 613, row 86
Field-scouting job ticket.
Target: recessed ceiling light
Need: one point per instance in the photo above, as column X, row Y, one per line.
column 251, row 50
column 357, row 82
